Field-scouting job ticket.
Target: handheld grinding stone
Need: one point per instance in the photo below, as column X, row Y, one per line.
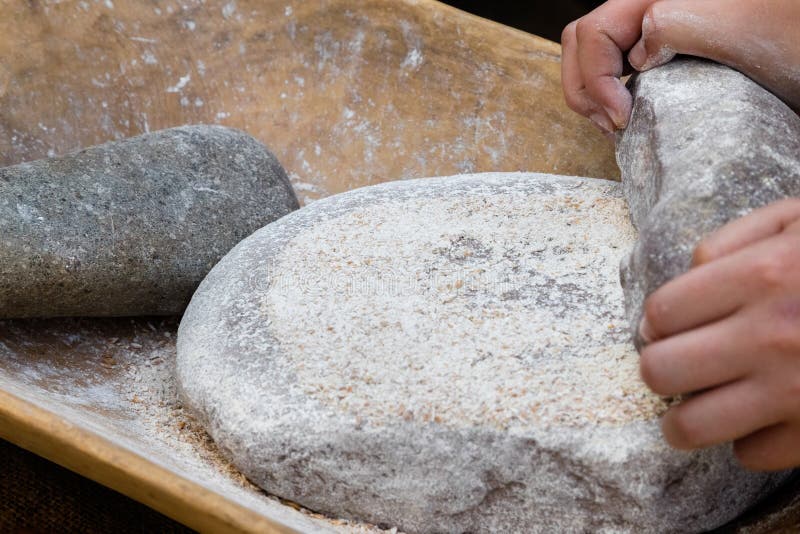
column 705, row 145
column 131, row 227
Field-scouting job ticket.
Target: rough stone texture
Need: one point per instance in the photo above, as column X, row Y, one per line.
column 131, row 227
column 705, row 145
column 447, row 355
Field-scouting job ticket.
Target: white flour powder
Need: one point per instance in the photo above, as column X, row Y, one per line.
column 502, row 310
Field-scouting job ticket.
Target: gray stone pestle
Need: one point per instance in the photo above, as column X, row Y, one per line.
column 131, row 227
column 705, row 145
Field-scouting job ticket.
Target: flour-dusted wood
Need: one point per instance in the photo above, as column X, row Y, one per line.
column 447, row 355
column 346, row 93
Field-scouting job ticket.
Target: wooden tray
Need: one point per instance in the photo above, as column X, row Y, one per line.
column 346, row 93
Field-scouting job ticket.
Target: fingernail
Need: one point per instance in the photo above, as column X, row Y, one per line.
column 621, row 109
column 602, row 122
column 638, row 55
column 645, row 332
column 664, row 55
column 620, row 119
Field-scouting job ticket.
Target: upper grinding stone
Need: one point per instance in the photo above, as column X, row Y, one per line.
column 705, row 145
column 447, row 355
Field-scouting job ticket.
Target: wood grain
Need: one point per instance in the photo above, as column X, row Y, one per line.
column 95, row 457
column 346, row 93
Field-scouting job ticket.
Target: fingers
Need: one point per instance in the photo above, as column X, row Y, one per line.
column 748, row 374
column 771, row 449
column 572, row 83
column 673, row 27
column 601, row 64
column 571, row 78
column 693, row 27
column 706, row 357
column 654, row 31
column 723, row 414
column 758, row 225
column 717, row 289
column 593, row 61
column 750, row 36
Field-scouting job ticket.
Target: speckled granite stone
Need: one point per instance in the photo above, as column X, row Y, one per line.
column 131, row 227
column 447, row 355
column 705, row 145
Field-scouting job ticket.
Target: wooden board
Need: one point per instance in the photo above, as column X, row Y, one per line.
column 99, row 397
column 346, row 93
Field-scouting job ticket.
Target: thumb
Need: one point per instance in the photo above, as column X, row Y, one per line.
column 672, row 27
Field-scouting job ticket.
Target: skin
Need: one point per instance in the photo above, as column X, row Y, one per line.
column 757, row 37
column 738, row 347
column 735, row 352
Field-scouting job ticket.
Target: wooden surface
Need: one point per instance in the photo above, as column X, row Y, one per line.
column 346, row 93
column 58, row 439
column 38, row 496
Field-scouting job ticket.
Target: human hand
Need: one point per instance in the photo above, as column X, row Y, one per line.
column 755, row 37
column 729, row 332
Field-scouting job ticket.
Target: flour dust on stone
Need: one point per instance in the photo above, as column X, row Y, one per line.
column 501, row 310
column 447, row 355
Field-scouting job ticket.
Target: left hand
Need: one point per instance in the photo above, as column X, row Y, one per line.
column 755, row 37
column 728, row 331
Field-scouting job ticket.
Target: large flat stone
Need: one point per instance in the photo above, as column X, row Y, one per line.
column 447, row 355
column 705, row 145
column 131, row 227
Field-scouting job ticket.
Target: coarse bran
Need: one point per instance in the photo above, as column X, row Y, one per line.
column 503, row 310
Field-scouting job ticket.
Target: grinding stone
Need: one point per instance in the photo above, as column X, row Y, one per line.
column 447, row 355
column 705, row 145
column 131, row 227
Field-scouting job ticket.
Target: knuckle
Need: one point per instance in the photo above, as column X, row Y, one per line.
column 793, row 392
column 585, row 28
column 568, row 35
column 777, row 340
column 770, row 270
column 572, row 100
column 576, row 100
column 781, row 332
column 653, row 20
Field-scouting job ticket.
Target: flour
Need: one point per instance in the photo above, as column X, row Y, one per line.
column 501, row 310
column 116, row 378
column 446, row 354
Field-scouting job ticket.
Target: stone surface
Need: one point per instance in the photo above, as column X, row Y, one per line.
column 705, row 145
column 131, row 227
column 447, row 355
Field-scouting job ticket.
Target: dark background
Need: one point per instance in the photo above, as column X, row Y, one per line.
column 545, row 19
column 38, row 496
